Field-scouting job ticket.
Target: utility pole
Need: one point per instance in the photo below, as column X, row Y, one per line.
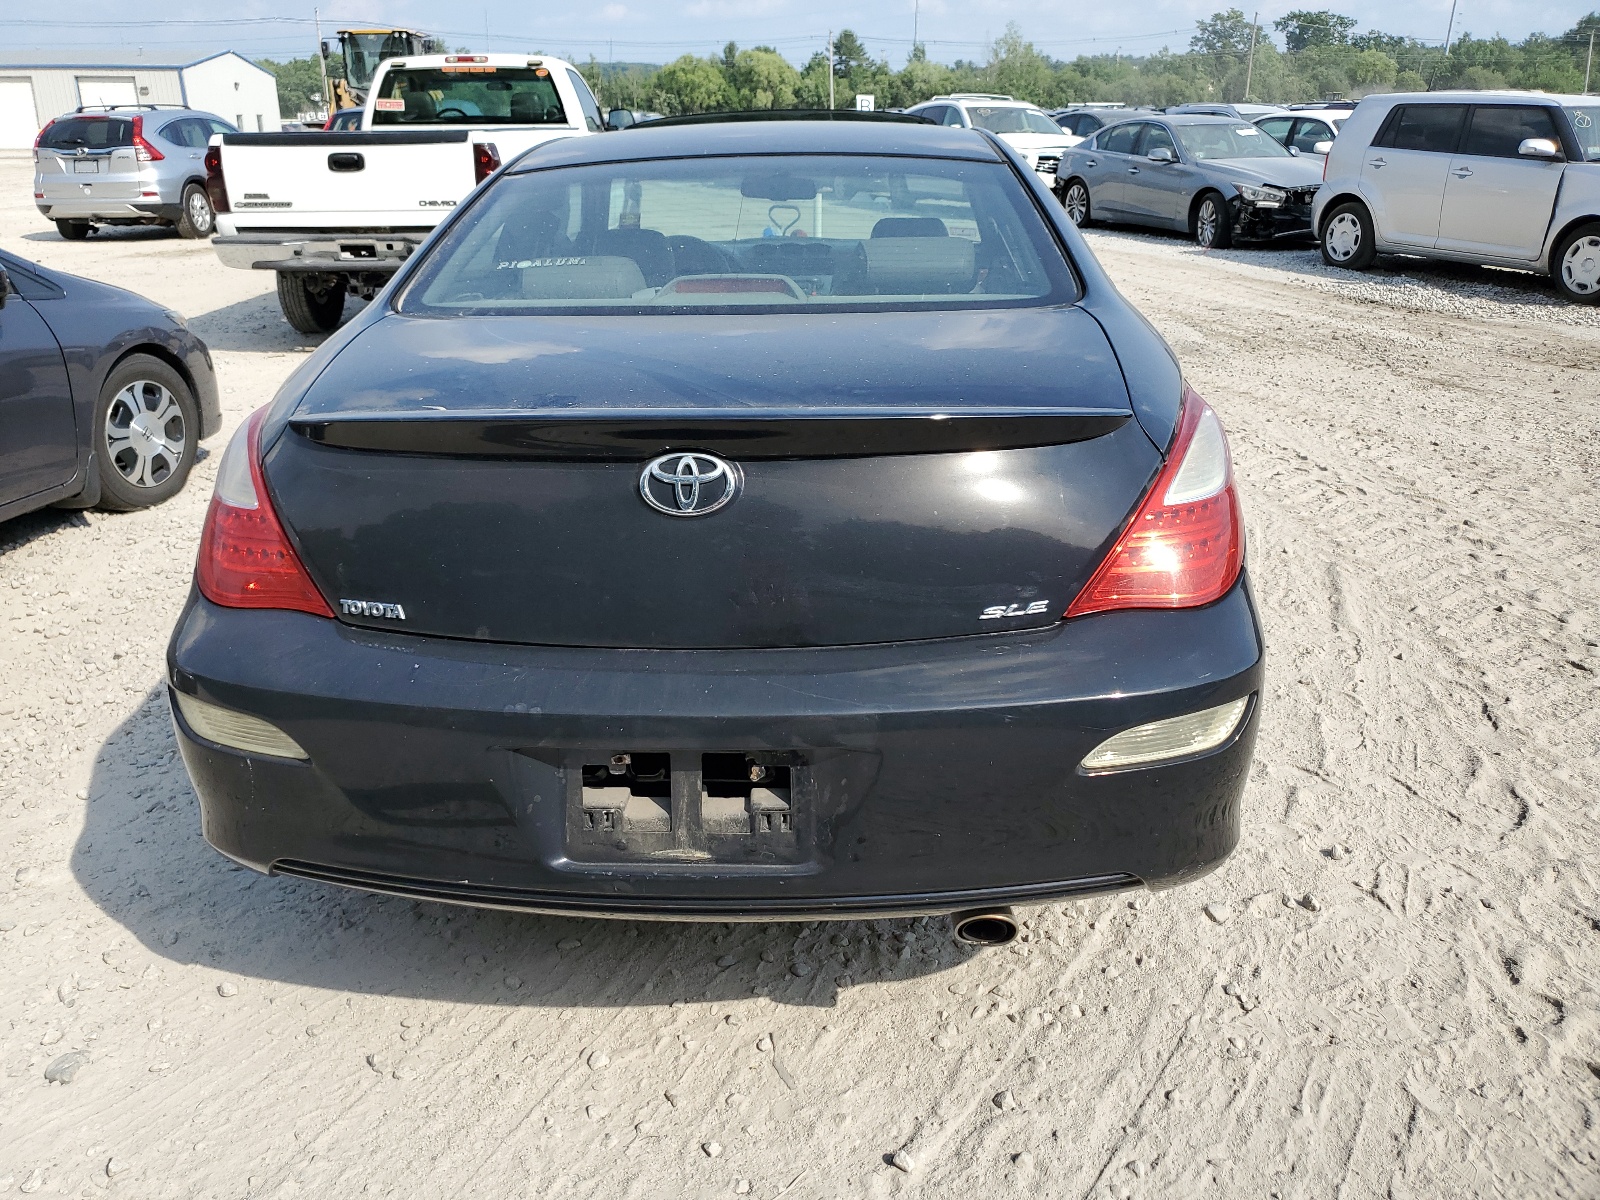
column 916, row 12
column 1450, row 29
column 327, row 101
column 1588, row 62
column 830, row 68
column 1250, row 66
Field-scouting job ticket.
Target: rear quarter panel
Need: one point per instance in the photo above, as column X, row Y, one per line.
column 1342, row 170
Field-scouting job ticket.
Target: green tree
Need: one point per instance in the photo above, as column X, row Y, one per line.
column 1303, row 28
column 1223, row 33
column 1016, row 69
column 690, row 85
column 848, row 53
column 763, row 78
column 299, row 84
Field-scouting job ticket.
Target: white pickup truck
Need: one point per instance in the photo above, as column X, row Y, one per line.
column 337, row 213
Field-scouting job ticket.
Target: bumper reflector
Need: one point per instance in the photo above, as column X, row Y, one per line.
column 1163, row 741
column 237, row 730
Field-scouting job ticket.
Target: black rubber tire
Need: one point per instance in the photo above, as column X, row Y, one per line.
column 1223, row 237
column 1366, row 249
column 188, row 226
column 1557, row 262
column 117, row 493
column 73, row 231
column 313, row 304
column 1088, row 211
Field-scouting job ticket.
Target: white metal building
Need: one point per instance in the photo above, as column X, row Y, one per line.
column 228, row 84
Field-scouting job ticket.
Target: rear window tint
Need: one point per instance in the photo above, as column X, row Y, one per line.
column 94, row 133
column 1431, row 127
column 1496, row 131
column 793, row 234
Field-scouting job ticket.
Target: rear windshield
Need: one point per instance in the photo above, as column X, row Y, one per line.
column 1586, row 125
column 787, row 234
column 469, row 94
column 1012, row 120
column 1205, row 142
column 94, row 133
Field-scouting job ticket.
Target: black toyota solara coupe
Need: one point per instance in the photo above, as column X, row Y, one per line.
column 741, row 521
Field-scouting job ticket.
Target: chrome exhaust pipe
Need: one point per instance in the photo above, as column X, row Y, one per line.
column 986, row 927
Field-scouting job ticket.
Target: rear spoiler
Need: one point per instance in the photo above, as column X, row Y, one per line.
column 611, row 434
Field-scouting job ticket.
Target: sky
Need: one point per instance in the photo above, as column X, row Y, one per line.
column 642, row 31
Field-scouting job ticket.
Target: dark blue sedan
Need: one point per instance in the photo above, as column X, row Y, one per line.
column 748, row 521
column 104, row 396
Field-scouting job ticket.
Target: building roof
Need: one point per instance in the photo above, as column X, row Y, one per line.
column 100, row 60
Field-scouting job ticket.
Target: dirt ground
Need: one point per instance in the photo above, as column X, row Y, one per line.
column 1389, row 990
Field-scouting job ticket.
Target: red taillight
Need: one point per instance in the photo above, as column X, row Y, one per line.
column 216, row 188
column 1324, row 168
column 246, row 560
column 143, row 150
column 1185, row 545
column 486, row 159
column 39, row 137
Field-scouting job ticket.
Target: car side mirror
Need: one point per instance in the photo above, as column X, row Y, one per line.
column 5, row 287
column 1322, row 148
column 1538, row 148
column 1162, row 155
column 1294, row 150
column 619, row 118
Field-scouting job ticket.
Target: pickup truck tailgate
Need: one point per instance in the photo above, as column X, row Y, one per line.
column 345, row 180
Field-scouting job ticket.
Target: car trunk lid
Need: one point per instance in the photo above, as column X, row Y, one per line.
column 901, row 476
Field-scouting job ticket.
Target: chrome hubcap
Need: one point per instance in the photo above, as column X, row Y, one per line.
column 1342, row 237
column 1206, row 231
column 145, row 433
column 1580, row 266
column 199, row 212
column 1077, row 204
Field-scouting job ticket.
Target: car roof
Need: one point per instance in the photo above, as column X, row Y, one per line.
column 763, row 137
column 1553, row 99
column 153, row 114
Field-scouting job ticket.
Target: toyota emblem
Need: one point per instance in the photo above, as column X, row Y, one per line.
column 689, row 485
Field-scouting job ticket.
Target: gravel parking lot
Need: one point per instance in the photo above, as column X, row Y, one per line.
column 1389, row 990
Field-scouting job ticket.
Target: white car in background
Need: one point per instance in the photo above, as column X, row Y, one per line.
column 1308, row 132
column 1025, row 127
column 1505, row 179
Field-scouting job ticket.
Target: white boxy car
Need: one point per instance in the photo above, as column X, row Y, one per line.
column 1506, row 179
column 337, row 213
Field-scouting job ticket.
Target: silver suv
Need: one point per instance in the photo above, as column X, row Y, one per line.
column 1506, row 179
column 126, row 165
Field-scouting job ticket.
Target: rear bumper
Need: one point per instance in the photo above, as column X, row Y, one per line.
column 321, row 253
column 931, row 776
column 88, row 209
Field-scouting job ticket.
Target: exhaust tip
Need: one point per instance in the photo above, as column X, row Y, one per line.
column 986, row 927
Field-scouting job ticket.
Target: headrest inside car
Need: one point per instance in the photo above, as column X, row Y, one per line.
column 919, row 266
column 910, row 227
